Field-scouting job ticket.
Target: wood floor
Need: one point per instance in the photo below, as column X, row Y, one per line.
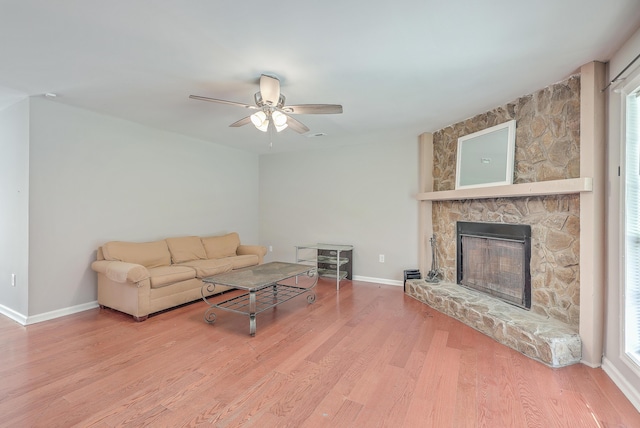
column 367, row 356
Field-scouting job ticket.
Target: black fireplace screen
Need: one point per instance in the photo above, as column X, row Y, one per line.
column 494, row 258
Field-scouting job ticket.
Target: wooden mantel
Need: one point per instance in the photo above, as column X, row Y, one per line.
column 540, row 188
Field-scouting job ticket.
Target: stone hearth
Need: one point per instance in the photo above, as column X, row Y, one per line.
column 542, row 338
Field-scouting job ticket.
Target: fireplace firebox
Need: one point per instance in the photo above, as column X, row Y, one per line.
column 494, row 258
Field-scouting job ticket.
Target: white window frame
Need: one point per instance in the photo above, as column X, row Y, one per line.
column 628, row 87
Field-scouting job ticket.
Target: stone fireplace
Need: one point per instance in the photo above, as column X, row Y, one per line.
column 548, row 332
column 547, row 151
column 555, row 245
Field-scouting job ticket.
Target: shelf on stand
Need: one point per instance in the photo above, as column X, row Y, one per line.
column 331, row 260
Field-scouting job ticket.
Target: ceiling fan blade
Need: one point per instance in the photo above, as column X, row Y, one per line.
column 296, row 125
column 313, row 109
column 215, row 100
column 241, row 122
column 269, row 89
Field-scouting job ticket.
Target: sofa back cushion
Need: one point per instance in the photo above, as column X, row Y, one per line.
column 217, row 247
column 186, row 248
column 147, row 254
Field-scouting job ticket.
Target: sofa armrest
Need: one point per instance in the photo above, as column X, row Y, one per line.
column 257, row 250
column 121, row 271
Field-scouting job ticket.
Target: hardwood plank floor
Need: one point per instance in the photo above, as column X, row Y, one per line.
column 366, row 356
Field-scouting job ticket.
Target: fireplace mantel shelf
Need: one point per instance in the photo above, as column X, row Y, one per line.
column 540, row 188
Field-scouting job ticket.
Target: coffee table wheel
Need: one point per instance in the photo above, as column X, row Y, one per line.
column 311, row 298
column 210, row 316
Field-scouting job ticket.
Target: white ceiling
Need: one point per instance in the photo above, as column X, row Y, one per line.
column 398, row 68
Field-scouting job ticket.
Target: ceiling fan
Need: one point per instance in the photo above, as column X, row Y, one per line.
column 271, row 108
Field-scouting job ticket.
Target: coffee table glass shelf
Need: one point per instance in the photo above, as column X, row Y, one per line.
column 332, row 260
column 264, row 287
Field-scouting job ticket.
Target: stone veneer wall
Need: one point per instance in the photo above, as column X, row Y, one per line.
column 547, row 148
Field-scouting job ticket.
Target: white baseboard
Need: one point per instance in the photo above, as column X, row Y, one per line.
column 61, row 312
column 16, row 316
column 27, row 320
column 629, row 390
column 593, row 366
column 379, row 280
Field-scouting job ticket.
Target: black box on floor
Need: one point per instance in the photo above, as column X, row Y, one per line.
column 411, row 274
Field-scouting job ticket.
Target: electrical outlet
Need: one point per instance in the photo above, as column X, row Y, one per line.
column 381, row 258
column 270, row 249
column 13, row 279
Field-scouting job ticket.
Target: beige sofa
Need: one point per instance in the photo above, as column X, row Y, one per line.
column 142, row 278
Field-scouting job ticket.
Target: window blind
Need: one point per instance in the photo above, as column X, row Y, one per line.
column 632, row 228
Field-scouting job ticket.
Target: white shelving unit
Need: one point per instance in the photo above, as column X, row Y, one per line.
column 331, row 260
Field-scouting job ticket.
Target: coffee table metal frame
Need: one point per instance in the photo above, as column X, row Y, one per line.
column 262, row 293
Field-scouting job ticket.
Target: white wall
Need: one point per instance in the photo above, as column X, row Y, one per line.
column 14, row 208
column 614, row 363
column 95, row 178
column 362, row 194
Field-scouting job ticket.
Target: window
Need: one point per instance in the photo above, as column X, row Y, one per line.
column 632, row 228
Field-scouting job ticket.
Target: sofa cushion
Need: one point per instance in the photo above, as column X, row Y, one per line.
column 221, row 246
column 238, row 262
column 147, row 254
column 186, row 248
column 205, row 268
column 166, row 275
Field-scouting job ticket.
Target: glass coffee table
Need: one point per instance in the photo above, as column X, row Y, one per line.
column 263, row 286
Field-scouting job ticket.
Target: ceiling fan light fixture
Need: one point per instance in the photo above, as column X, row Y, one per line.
column 279, row 118
column 258, row 118
column 260, row 121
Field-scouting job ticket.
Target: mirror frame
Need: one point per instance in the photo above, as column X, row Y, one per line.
column 488, row 156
